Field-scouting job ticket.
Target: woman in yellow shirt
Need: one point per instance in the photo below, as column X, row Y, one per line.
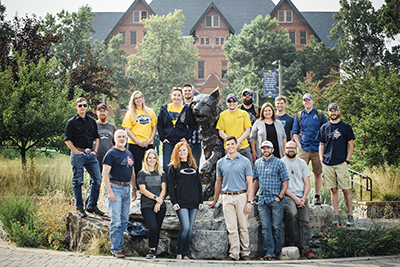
column 140, row 124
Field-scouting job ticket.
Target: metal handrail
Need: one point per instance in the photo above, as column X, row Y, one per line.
column 368, row 186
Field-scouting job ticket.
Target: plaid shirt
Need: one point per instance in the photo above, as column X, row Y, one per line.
column 271, row 174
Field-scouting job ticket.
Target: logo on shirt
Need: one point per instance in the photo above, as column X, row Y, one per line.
column 315, row 117
column 143, row 119
column 336, row 134
column 188, row 171
column 128, row 162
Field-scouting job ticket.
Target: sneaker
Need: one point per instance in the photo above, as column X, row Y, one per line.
column 246, row 258
column 81, row 213
column 308, row 254
column 268, row 258
column 317, row 201
column 95, row 210
column 336, row 220
column 119, row 255
column 350, row 221
column 151, row 254
column 229, row 258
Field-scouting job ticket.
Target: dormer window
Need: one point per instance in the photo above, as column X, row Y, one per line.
column 285, row 16
column 212, row 21
column 139, row 15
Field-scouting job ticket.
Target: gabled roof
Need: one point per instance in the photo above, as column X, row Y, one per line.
column 211, row 6
column 125, row 15
column 299, row 14
column 322, row 23
column 237, row 12
column 103, row 22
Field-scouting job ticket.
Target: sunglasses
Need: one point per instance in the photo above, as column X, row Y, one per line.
column 82, row 105
column 247, row 94
column 230, row 101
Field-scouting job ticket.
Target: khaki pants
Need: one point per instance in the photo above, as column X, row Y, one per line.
column 236, row 224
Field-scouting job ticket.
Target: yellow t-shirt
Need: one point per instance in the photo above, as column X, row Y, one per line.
column 234, row 124
column 141, row 127
column 174, row 112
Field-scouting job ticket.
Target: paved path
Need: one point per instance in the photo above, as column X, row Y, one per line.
column 11, row 256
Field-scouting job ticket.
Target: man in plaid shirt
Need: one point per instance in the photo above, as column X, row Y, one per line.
column 271, row 177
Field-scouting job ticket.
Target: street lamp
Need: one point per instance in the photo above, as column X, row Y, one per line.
column 278, row 62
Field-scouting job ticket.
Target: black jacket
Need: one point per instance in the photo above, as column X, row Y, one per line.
column 183, row 127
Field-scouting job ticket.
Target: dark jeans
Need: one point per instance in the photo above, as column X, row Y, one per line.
column 167, row 152
column 186, row 219
column 138, row 155
column 153, row 221
column 196, row 151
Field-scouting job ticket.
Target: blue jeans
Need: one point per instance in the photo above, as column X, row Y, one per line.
column 271, row 216
column 90, row 163
column 196, row 151
column 186, row 219
column 119, row 212
column 167, row 152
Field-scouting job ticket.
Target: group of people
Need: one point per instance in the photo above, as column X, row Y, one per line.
column 260, row 157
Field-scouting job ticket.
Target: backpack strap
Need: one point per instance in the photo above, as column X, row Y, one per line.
column 320, row 117
column 299, row 119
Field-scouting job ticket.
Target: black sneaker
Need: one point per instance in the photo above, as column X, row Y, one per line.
column 317, row 201
column 95, row 210
column 350, row 221
column 81, row 212
column 151, row 254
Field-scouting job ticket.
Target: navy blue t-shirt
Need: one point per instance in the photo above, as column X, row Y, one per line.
column 121, row 163
column 335, row 137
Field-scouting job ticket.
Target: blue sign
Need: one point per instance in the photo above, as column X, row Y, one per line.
column 269, row 83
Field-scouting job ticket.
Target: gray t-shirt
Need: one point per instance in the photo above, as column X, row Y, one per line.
column 106, row 133
column 297, row 170
column 152, row 182
column 234, row 172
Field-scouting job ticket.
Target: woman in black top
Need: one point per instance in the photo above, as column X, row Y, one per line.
column 184, row 188
column 153, row 185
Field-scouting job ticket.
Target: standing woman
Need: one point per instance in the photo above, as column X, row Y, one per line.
column 175, row 124
column 140, row 124
column 184, row 188
column 153, row 185
column 267, row 127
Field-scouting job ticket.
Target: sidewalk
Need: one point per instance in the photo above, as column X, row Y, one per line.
column 11, row 255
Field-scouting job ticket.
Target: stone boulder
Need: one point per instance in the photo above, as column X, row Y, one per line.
column 290, row 253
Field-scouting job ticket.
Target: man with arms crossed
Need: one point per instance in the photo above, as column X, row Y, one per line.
column 297, row 211
column 310, row 122
column 335, row 150
column 82, row 137
column 234, row 178
column 270, row 175
column 119, row 180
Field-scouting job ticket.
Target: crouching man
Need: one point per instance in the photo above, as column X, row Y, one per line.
column 119, row 180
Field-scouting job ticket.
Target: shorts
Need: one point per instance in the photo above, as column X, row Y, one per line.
column 336, row 176
column 314, row 157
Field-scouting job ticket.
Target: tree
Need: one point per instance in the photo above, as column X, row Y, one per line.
column 254, row 50
column 390, row 17
column 33, row 111
column 164, row 59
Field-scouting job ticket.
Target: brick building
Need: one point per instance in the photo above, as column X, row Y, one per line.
column 211, row 22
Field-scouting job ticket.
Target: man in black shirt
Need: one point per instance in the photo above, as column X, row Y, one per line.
column 82, row 137
column 247, row 105
column 282, row 116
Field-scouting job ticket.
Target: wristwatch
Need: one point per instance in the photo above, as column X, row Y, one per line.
column 251, row 202
column 155, row 197
column 280, row 198
column 347, row 161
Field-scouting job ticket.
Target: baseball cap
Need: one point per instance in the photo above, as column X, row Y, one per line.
column 308, row 96
column 333, row 105
column 246, row 90
column 102, row 105
column 267, row 144
column 231, row 96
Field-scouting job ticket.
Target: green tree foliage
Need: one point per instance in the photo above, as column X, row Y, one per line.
column 33, row 111
column 254, row 49
column 390, row 17
column 164, row 59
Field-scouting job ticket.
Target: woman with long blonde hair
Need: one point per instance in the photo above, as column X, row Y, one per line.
column 140, row 124
column 153, row 185
column 184, row 188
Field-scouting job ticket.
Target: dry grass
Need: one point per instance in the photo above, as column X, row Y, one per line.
column 385, row 183
column 98, row 244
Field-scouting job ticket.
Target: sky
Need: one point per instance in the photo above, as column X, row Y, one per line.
column 42, row 7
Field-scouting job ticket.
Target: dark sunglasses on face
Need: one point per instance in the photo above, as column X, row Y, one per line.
column 247, row 94
column 82, row 105
column 231, row 101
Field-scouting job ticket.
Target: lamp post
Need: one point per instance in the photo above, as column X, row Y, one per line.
column 252, row 88
column 278, row 62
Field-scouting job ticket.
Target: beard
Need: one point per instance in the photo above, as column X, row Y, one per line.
column 248, row 101
column 291, row 155
column 121, row 144
column 334, row 117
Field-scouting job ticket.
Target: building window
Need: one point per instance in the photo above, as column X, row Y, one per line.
column 133, row 38
column 224, row 68
column 303, row 38
column 123, row 37
column 201, row 69
column 222, row 41
column 212, row 21
column 202, row 41
column 289, row 16
column 217, row 41
column 285, row 16
column 139, row 15
column 207, row 40
column 292, row 36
